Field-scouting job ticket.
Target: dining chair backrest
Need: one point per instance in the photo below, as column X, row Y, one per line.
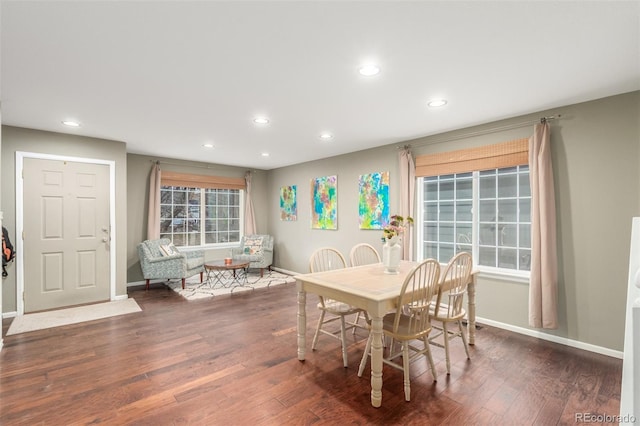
column 456, row 276
column 412, row 312
column 363, row 254
column 326, row 259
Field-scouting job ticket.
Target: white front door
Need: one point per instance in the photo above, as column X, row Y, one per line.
column 66, row 233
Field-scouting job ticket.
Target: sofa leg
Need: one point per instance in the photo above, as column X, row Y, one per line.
column 183, row 283
column 147, row 286
column 201, row 276
column 261, row 272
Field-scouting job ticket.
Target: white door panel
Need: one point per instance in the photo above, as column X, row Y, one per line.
column 66, row 233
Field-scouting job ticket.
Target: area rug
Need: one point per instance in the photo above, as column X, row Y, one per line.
column 57, row 318
column 195, row 290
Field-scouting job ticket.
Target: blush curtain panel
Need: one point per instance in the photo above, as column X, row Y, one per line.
column 407, row 196
column 543, row 287
column 249, row 215
column 153, row 221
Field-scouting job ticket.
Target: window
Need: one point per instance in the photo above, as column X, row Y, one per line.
column 192, row 216
column 447, row 218
column 487, row 213
column 198, row 210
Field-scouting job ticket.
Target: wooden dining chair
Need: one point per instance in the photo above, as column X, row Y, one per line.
column 410, row 322
column 364, row 254
column 449, row 303
column 327, row 259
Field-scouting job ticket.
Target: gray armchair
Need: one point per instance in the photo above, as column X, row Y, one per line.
column 157, row 264
column 255, row 249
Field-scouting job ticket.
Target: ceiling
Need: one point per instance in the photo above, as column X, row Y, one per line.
column 167, row 77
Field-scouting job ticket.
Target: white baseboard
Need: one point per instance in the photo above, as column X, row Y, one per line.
column 121, row 297
column 284, row 271
column 551, row 338
column 153, row 281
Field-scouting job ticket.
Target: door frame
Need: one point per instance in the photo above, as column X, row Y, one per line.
column 20, row 157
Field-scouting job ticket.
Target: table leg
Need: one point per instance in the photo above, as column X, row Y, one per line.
column 376, row 361
column 471, row 311
column 239, row 279
column 302, row 323
column 214, row 278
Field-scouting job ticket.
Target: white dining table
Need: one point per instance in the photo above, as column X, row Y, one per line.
column 367, row 287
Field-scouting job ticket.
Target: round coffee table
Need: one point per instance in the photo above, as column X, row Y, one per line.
column 235, row 273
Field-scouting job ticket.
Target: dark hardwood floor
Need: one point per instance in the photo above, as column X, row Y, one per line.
column 232, row 361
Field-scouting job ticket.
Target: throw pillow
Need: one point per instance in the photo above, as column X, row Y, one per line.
column 254, row 245
column 169, row 249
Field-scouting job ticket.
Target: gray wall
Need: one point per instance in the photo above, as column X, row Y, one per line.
column 138, row 170
column 27, row 140
column 595, row 149
column 295, row 240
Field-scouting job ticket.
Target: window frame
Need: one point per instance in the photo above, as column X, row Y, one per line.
column 505, row 274
column 203, row 217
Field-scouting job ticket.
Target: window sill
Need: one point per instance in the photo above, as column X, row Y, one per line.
column 518, row 277
column 219, row 246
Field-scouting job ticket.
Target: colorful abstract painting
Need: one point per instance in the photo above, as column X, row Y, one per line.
column 373, row 200
column 324, row 202
column 288, row 203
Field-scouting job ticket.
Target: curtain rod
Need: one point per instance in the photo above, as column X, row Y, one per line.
column 485, row 131
column 192, row 165
column 180, row 164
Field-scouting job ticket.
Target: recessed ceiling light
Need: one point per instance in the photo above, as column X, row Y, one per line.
column 326, row 136
column 207, row 145
column 265, row 154
column 437, row 103
column 71, row 123
column 261, row 120
column 369, row 70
